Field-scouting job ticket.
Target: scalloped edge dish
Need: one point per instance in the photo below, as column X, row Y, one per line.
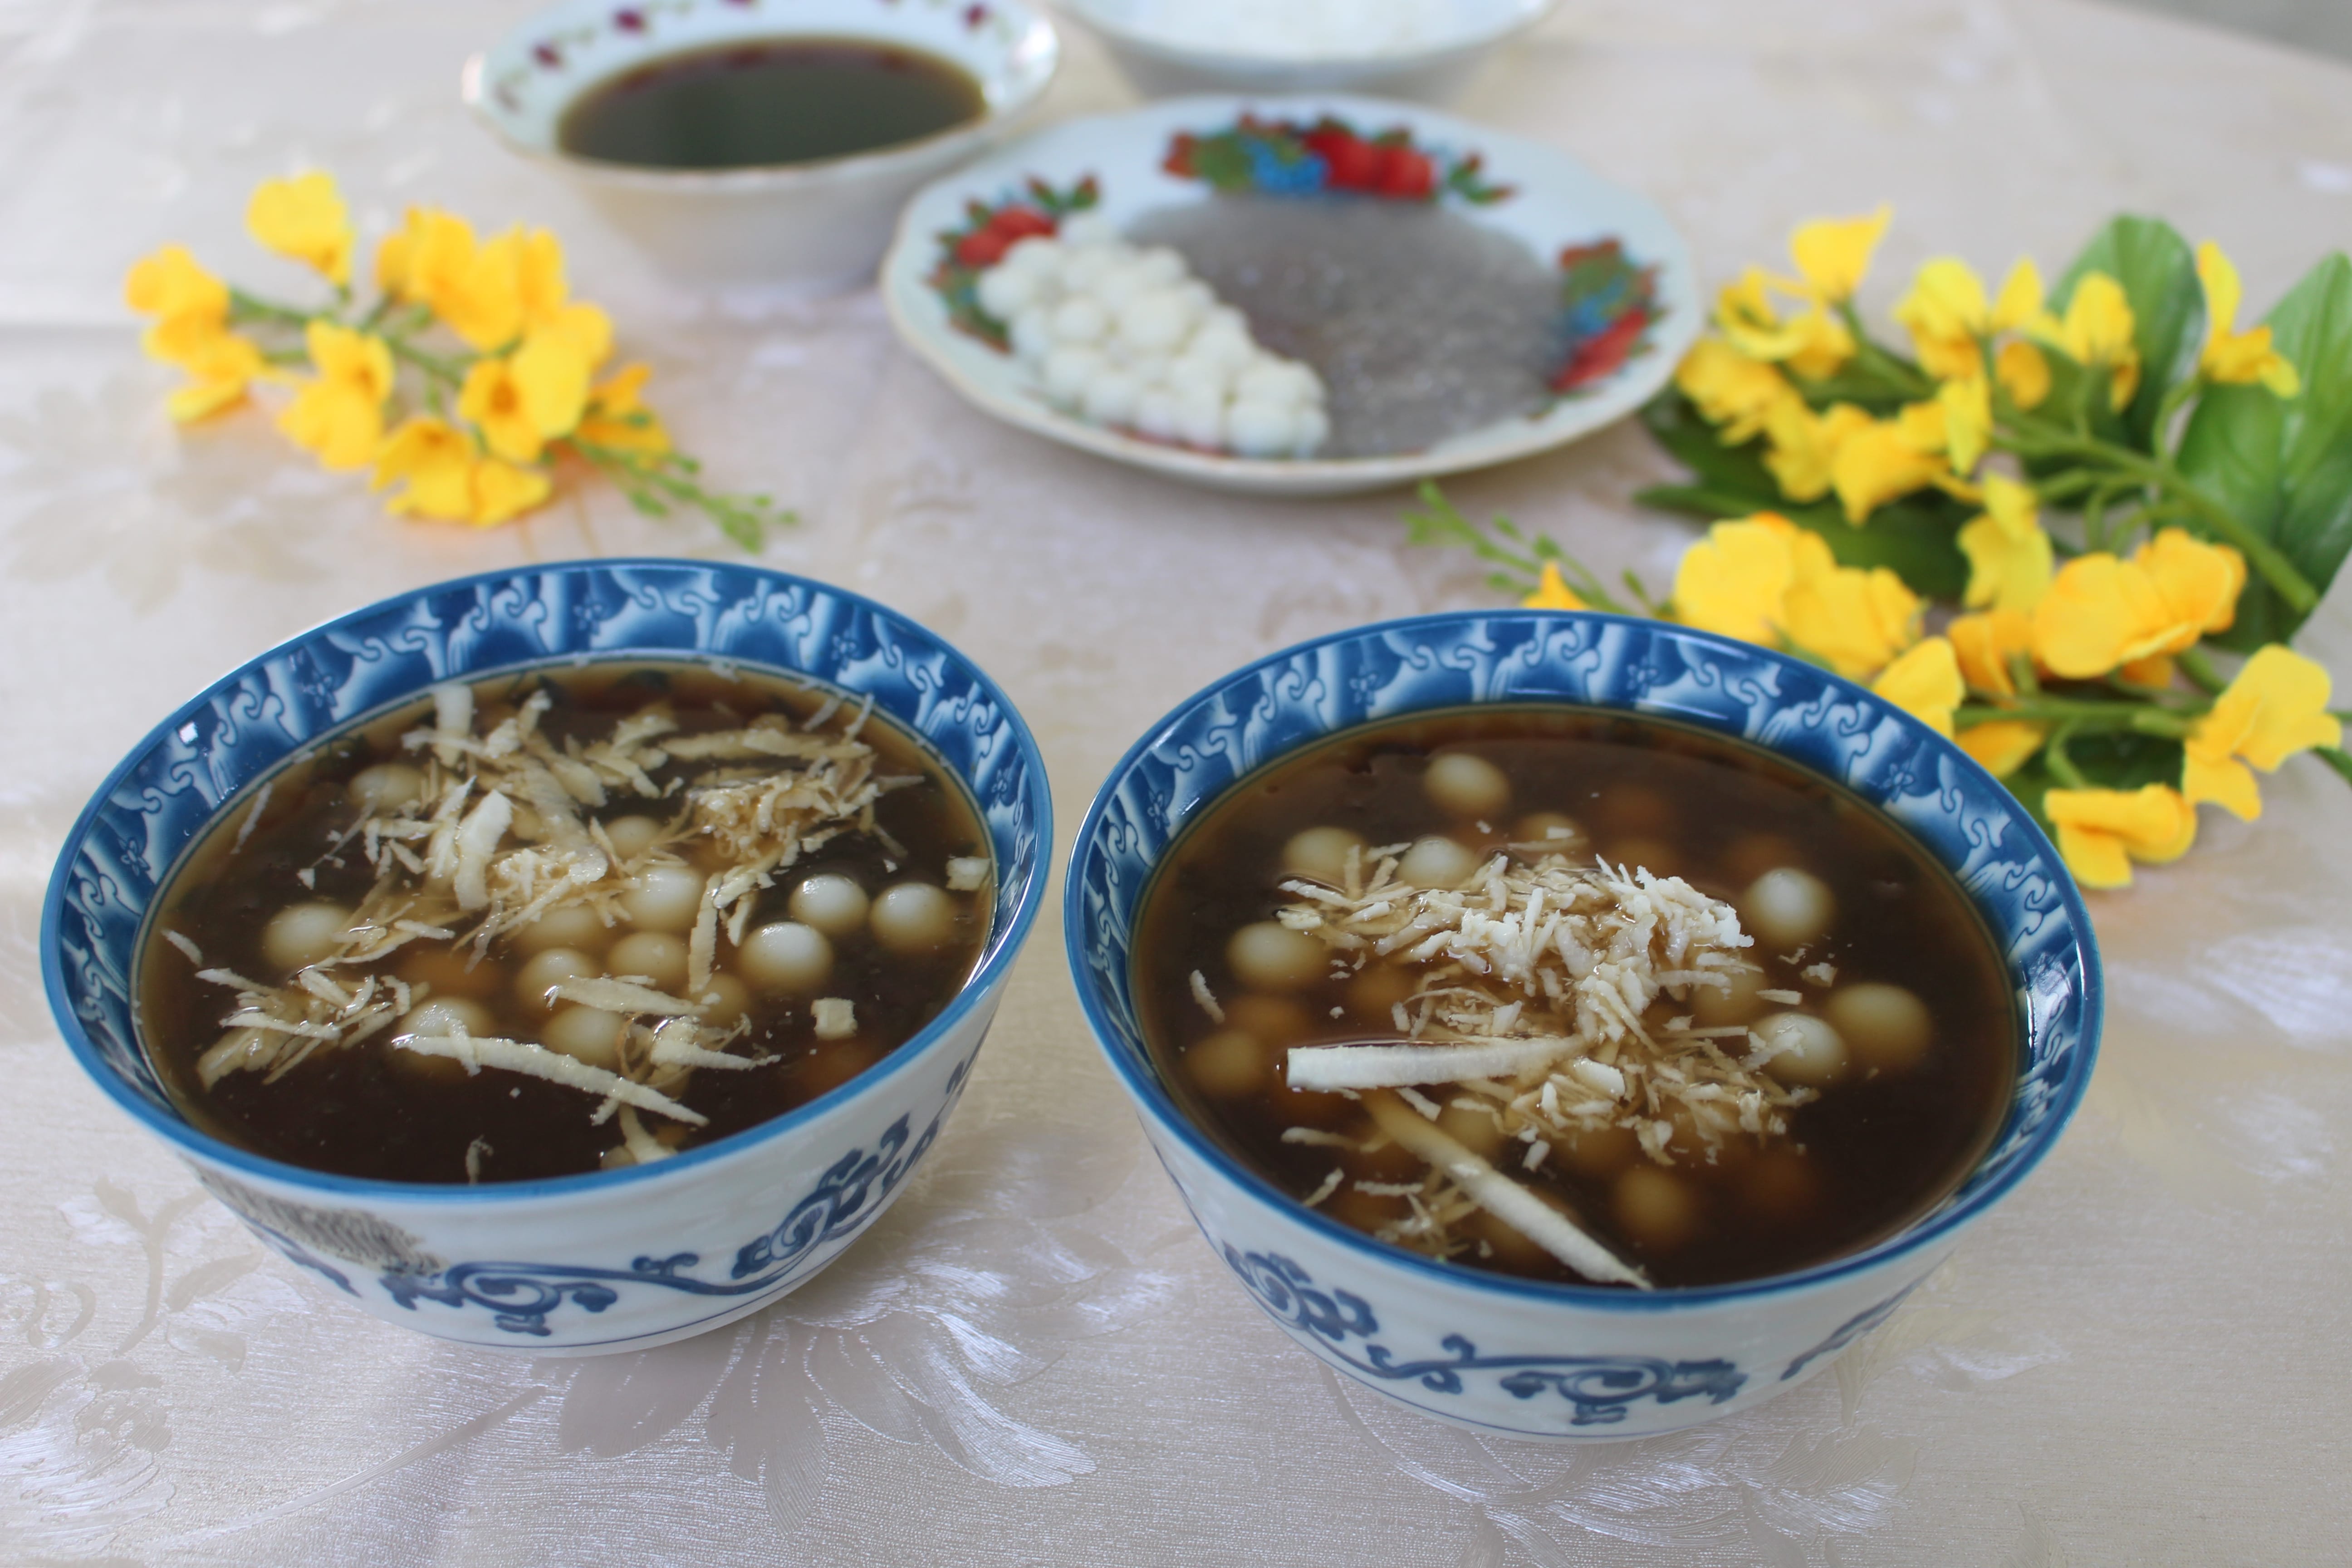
column 1536, row 193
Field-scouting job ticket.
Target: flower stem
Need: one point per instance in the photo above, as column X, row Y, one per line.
column 2062, row 766
column 2194, row 664
column 437, row 366
column 2036, row 439
column 2086, row 713
column 248, row 307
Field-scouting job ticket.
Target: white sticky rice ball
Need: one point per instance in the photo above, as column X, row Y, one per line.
column 1438, row 862
column 1039, row 255
column 663, row 897
column 1155, row 413
column 1281, row 382
column 1154, row 323
column 1269, row 956
column 1159, row 266
column 1033, row 334
column 1225, row 344
column 1005, row 291
column 1111, row 396
column 786, row 955
column 1089, row 229
column 1807, row 1049
column 586, row 1035
column 1081, row 320
column 913, row 917
column 1201, row 418
column 387, row 786
column 1200, row 376
column 1314, row 428
column 1466, row 785
column 830, row 902
column 1069, row 370
column 1886, row 1026
column 1786, row 908
column 302, row 935
column 1258, row 428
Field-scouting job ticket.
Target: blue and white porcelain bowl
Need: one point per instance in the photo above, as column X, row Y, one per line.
column 1521, row 1357
column 611, row 1261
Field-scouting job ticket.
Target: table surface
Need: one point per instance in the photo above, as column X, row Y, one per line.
column 1033, row 1358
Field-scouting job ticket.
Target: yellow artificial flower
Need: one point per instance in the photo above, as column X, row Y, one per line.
column 1833, row 255
column 2002, row 745
column 2019, row 303
column 2010, row 559
column 1987, row 645
column 191, row 305
column 1801, row 446
column 1880, row 461
column 340, row 414
column 503, row 493
column 1812, row 344
column 1552, row 592
column 444, row 478
column 528, row 398
column 222, row 368
column 1855, row 618
column 2197, row 582
column 1733, row 393
column 617, row 420
column 304, row 219
column 540, row 289
column 1946, row 314
column 2102, row 831
column 2231, row 355
column 436, row 461
column 2276, row 706
column 2022, row 373
column 2100, row 611
column 1924, row 681
column 2097, row 331
column 1733, row 581
column 1966, row 404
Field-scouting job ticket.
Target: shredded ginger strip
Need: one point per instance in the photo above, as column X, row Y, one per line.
column 1503, row 1198
column 538, row 1061
column 1394, row 1066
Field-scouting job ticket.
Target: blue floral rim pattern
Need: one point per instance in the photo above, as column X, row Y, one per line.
column 1959, row 813
column 162, row 796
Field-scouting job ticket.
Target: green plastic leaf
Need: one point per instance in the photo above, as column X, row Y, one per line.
column 1914, row 537
column 2284, row 465
column 2107, row 759
column 2158, row 275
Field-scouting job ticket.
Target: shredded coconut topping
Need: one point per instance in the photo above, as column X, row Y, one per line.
column 497, row 837
column 1555, row 997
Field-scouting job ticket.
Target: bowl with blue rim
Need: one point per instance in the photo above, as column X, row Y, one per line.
column 1534, row 1358
column 611, row 1259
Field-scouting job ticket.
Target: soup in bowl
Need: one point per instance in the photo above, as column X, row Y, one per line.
column 1572, row 1026
column 570, row 958
column 741, row 145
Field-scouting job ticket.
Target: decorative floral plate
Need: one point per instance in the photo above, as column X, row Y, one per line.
column 1629, row 303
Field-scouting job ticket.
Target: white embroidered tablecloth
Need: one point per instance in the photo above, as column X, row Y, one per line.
column 1034, row 1359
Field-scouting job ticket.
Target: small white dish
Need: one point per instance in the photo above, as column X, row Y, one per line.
column 1425, row 49
column 1553, row 203
column 815, row 224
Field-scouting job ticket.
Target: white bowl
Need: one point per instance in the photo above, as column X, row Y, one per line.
column 608, row 1260
column 817, row 224
column 1554, row 202
column 1164, row 48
